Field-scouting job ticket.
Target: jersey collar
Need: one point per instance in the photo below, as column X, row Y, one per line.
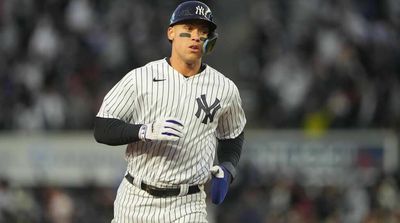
column 202, row 68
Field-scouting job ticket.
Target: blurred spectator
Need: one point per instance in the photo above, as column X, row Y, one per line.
column 388, row 194
column 356, row 203
column 58, row 206
column 17, row 205
column 79, row 16
column 52, row 106
column 44, row 42
column 5, row 200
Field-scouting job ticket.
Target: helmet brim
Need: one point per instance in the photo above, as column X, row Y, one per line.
column 211, row 25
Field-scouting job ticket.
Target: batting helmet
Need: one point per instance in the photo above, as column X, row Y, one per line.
column 195, row 10
column 190, row 10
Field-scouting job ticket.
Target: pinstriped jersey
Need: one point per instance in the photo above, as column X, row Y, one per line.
column 208, row 103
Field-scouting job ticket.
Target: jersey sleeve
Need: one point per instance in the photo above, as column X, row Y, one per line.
column 118, row 102
column 232, row 122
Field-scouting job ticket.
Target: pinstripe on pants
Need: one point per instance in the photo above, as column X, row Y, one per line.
column 133, row 205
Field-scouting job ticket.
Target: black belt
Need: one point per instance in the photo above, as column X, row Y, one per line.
column 162, row 192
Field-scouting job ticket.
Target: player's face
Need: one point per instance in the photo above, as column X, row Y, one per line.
column 188, row 39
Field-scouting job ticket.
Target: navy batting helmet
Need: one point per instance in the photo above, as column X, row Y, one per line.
column 195, row 10
column 191, row 10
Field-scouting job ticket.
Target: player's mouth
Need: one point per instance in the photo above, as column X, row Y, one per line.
column 195, row 48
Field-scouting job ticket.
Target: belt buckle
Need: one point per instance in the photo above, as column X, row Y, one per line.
column 158, row 192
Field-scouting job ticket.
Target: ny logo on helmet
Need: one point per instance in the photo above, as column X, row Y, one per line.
column 209, row 110
column 200, row 11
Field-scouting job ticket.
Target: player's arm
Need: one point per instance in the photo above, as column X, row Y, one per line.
column 229, row 151
column 112, row 124
column 230, row 134
column 114, row 132
column 230, row 141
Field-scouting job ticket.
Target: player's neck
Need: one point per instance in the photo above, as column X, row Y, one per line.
column 185, row 68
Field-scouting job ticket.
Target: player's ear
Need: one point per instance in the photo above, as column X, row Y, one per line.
column 171, row 33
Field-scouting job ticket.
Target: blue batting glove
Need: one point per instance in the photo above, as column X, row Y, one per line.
column 220, row 181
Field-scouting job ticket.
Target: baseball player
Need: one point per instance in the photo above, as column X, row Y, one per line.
column 174, row 114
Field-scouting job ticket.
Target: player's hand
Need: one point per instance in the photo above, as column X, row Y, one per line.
column 168, row 129
column 220, row 181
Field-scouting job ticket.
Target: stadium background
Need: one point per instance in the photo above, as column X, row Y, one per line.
column 320, row 83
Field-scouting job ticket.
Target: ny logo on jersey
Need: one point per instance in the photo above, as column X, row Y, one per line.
column 209, row 110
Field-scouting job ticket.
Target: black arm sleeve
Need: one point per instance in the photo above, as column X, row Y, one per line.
column 229, row 151
column 115, row 132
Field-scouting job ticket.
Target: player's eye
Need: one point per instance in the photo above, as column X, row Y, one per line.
column 204, row 32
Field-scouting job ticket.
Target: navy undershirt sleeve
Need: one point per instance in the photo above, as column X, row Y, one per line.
column 115, row 132
column 229, row 151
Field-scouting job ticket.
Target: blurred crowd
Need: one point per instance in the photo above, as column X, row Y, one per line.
column 325, row 64
column 255, row 197
column 59, row 58
column 52, row 204
column 299, row 64
column 275, row 198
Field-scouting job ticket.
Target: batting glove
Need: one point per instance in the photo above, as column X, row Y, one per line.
column 219, row 183
column 164, row 129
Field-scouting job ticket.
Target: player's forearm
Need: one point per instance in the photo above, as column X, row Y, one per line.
column 229, row 151
column 115, row 132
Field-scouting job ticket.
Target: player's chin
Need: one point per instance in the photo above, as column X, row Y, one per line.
column 194, row 55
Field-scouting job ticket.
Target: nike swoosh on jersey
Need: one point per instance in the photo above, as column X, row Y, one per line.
column 157, row 80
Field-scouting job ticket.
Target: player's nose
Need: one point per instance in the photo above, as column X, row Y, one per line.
column 196, row 35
